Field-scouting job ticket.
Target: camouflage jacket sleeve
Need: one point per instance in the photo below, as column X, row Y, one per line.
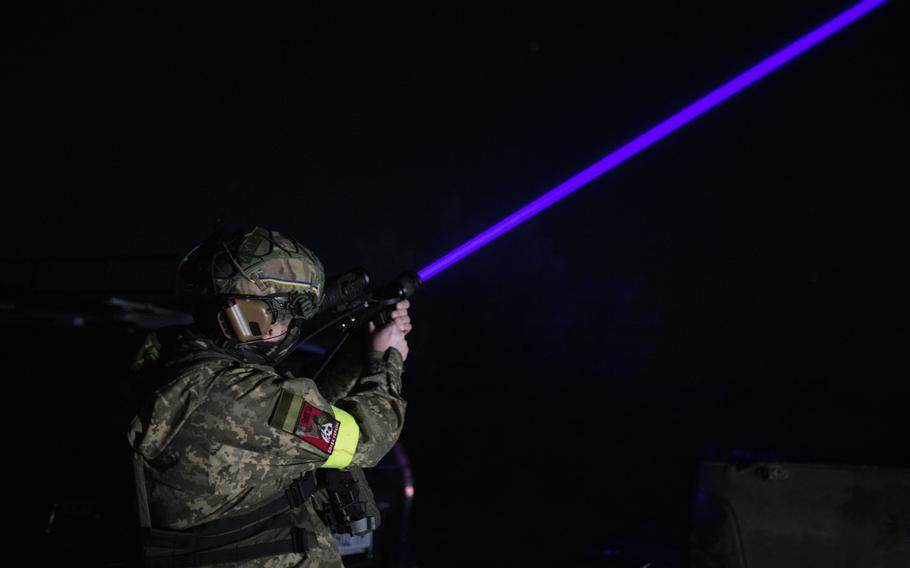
column 210, row 447
column 336, row 381
column 346, row 367
column 207, row 440
column 210, row 444
column 375, row 401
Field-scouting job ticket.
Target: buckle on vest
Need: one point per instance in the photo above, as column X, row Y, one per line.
column 301, row 489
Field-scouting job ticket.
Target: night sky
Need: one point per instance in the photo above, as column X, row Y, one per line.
column 740, row 285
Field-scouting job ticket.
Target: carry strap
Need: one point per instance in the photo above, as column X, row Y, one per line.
column 295, row 544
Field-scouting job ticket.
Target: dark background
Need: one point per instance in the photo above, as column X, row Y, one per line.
column 737, row 289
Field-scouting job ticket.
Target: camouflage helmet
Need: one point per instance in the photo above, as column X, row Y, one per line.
column 252, row 263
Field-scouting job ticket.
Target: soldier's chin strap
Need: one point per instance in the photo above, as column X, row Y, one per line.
column 263, row 352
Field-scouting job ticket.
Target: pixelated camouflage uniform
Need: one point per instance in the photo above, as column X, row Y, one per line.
column 208, row 449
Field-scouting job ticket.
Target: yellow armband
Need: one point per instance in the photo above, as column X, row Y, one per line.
column 334, row 435
column 345, row 443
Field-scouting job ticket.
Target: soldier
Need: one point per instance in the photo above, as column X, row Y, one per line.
column 226, row 451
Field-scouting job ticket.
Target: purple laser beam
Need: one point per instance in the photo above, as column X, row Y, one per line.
column 681, row 118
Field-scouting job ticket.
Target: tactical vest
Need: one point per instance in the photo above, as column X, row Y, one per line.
column 265, row 531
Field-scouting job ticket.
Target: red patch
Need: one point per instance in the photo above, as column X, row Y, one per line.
column 317, row 428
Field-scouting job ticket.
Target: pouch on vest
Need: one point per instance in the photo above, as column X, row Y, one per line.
column 352, row 507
